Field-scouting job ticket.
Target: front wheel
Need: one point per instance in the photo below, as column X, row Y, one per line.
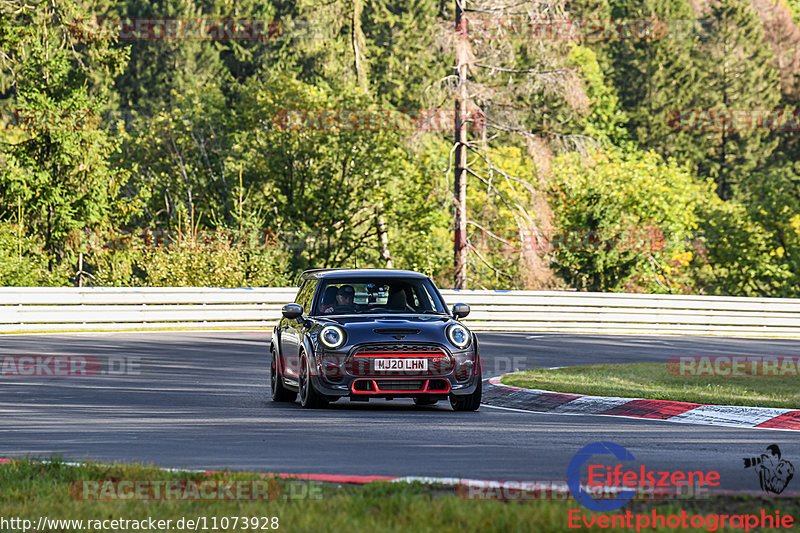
column 309, row 397
column 470, row 402
column 279, row 391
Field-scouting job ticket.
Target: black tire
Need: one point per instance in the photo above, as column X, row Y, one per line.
column 425, row 401
column 279, row 391
column 470, row 402
column 309, row 397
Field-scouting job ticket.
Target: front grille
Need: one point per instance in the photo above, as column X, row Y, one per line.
column 362, row 386
column 361, row 362
column 399, row 347
column 438, row 385
column 399, row 384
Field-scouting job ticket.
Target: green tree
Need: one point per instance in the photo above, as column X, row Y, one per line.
column 625, row 222
column 55, row 163
column 739, row 76
column 160, row 69
column 328, row 188
column 737, row 256
column 655, row 73
column 180, row 166
column 715, row 60
column 399, row 41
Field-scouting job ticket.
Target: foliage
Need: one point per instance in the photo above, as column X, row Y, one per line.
column 574, row 140
column 794, row 8
column 606, row 122
column 501, row 222
column 57, row 168
column 651, row 76
column 330, row 185
column 625, row 220
column 738, row 255
column 738, row 75
column 160, row 70
column 179, row 164
column 714, row 59
column 399, row 40
column 22, row 262
column 188, row 265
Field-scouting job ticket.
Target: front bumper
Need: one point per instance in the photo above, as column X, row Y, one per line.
column 352, row 374
column 386, row 387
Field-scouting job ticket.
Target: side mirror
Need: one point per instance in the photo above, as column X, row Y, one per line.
column 460, row 311
column 292, row 311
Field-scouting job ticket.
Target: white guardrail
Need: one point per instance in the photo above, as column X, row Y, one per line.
column 111, row 308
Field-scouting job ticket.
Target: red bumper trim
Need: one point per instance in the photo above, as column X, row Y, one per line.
column 375, row 389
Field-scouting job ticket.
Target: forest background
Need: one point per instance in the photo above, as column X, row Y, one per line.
column 637, row 146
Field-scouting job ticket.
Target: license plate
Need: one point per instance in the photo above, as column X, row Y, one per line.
column 401, row 364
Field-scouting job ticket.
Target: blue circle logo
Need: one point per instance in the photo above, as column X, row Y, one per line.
column 574, row 476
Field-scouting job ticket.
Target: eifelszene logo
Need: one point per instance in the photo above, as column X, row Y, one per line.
column 774, row 473
column 574, row 476
column 615, row 486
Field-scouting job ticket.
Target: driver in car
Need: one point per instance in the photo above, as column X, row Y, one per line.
column 344, row 300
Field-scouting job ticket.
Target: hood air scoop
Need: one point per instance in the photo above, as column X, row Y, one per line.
column 397, row 333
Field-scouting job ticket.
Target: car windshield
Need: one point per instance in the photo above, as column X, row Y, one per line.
column 377, row 295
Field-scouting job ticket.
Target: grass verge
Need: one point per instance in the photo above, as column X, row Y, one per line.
column 655, row 381
column 32, row 489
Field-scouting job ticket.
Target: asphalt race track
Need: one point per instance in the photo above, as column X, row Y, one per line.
column 200, row 400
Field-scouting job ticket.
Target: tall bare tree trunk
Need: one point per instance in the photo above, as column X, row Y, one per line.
column 383, row 237
column 358, row 45
column 460, row 182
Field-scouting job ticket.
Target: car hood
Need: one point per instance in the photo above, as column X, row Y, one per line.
column 408, row 328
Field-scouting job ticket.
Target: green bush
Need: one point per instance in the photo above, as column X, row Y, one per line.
column 624, row 221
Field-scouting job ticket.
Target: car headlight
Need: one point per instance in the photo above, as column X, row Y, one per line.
column 458, row 335
column 332, row 337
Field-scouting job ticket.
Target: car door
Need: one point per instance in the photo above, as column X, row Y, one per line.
column 291, row 332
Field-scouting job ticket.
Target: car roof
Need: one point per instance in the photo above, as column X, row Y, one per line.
column 322, row 273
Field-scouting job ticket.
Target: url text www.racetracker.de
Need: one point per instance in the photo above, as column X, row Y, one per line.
column 196, row 523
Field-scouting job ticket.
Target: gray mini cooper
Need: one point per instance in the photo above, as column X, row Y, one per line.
column 365, row 334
